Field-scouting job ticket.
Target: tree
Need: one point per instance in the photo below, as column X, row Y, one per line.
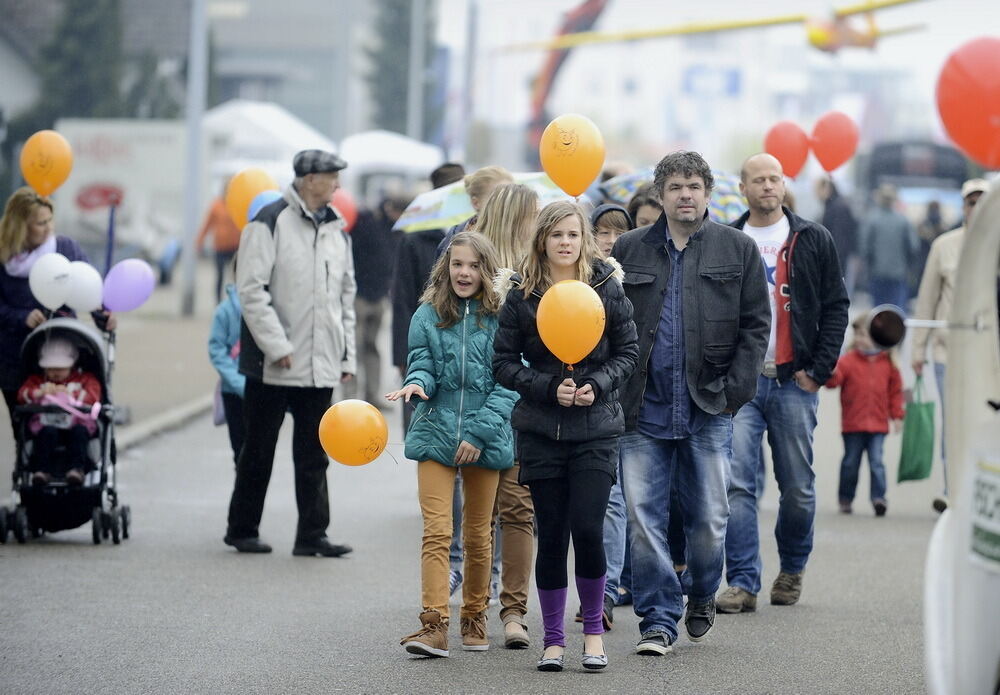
column 389, row 56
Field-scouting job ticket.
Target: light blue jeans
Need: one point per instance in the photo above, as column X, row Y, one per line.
column 702, row 470
column 615, row 518
column 788, row 413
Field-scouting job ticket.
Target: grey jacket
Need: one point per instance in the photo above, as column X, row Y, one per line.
column 888, row 244
column 726, row 312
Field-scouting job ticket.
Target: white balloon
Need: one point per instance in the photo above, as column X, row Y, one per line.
column 49, row 280
column 86, row 287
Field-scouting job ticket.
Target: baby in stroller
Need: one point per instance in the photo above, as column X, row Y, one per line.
column 77, row 393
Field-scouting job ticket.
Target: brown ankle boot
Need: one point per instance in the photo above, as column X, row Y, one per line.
column 474, row 633
column 431, row 639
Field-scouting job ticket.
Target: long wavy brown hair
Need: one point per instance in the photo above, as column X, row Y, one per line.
column 442, row 297
column 14, row 225
column 535, row 267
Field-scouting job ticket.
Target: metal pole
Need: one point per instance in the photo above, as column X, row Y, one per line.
column 415, row 90
column 197, row 80
column 468, row 99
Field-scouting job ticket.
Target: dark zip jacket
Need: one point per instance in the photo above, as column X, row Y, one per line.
column 725, row 309
column 537, row 376
column 819, row 299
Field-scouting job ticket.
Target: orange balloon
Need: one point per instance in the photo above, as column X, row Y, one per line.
column 46, row 161
column 834, row 139
column 968, row 99
column 353, row 432
column 345, row 205
column 570, row 320
column 572, row 152
column 243, row 188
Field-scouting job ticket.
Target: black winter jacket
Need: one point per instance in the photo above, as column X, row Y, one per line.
column 819, row 299
column 414, row 262
column 606, row 368
column 727, row 315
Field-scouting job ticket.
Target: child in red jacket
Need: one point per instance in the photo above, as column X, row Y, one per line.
column 75, row 392
column 871, row 394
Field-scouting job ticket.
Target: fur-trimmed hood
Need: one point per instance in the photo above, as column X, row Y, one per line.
column 507, row 279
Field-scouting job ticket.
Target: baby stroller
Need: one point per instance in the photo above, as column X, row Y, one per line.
column 56, row 505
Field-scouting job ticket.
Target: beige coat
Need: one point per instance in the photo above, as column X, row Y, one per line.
column 296, row 284
column 937, row 287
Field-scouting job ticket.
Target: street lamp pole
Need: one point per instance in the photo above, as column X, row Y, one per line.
column 197, row 80
column 415, row 89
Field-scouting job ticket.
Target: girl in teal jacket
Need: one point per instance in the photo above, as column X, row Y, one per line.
column 462, row 422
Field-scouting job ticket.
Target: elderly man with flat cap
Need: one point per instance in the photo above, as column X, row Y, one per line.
column 295, row 275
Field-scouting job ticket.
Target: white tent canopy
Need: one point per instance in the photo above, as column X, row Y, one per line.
column 246, row 133
column 382, row 150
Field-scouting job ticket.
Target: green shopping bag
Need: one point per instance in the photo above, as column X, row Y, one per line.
column 918, row 437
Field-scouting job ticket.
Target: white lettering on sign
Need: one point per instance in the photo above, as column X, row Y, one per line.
column 985, row 517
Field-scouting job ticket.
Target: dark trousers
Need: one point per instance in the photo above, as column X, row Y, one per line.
column 232, row 405
column 74, row 439
column 222, row 259
column 567, row 507
column 10, row 398
column 264, row 408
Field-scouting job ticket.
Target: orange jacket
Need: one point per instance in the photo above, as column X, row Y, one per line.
column 220, row 225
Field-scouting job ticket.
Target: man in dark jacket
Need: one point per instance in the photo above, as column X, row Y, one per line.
column 809, row 315
column 843, row 227
column 701, row 310
column 374, row 247
column 414, row 260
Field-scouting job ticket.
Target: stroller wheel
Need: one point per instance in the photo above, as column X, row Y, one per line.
column 106, row 525
column 126, row 520
column 96, row 525
column 21, row 525
column 116, row 526
column 4, row 524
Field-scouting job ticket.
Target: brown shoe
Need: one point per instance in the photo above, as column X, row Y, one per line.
column 786, row 589
column 74, row 477
column 40, row 478
column 474, row 633
column 515, row 636
column 431, row 639
column 736, row 600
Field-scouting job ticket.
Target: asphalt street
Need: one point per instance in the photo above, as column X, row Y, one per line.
column 173, row 610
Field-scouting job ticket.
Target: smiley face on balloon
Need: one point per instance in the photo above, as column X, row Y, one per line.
column 567, row 141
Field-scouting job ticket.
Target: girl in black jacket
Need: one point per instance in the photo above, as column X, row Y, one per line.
column 568, row 420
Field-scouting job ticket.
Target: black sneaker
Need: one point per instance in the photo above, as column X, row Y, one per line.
column 699, row 619
column 607, row 615
column 454, row 581
column 654, row 643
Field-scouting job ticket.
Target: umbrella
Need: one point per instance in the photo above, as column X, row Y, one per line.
column 725, row 205
column 450, row 205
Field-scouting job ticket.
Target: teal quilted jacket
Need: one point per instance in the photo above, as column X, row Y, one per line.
column 454, row 367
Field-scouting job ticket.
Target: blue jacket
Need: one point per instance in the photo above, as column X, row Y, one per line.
column 225, row 333
column 453, row 366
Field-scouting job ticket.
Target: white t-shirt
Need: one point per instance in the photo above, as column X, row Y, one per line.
column 769, row 241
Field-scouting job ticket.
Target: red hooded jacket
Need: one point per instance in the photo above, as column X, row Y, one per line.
column 871, row 391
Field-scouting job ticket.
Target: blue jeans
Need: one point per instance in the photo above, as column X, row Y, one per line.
column 615, row 519
column 702, row 469
column 889, row 291
column 855, row 444
column 939, row 375
column 788, row 413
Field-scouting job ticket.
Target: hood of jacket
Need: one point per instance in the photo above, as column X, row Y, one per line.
column 506, row 279
column 608, row 207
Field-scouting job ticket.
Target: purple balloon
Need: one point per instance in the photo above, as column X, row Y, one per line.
column 128, row 285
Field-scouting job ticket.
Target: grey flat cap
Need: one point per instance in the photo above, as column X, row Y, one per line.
column 317, row 162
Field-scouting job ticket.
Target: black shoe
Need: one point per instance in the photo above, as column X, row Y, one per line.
column 654, row 643
column 699, row 619
column 248, row 545
column 322, row 547
column 607, row 615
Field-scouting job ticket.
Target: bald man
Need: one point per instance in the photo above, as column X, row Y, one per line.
column 808, row 318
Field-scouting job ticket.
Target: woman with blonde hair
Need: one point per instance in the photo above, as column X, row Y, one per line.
column 27, row 232
column 508, row 220
column 568, row 421
column 478, row 186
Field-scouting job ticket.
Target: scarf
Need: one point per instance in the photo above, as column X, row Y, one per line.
column 19, row 266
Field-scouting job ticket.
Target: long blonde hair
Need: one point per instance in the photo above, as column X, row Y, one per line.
column 507, row 220
column 442, row 297
column 535, row 267
column 14, row 225
column 481, row 180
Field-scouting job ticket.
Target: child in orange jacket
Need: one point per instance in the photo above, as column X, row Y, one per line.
column 76, row 392
column 871, row 394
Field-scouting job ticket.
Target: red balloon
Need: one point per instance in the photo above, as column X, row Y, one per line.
column 789, row 144
column 834, row 139
column 345, row 205
column 968, row 99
